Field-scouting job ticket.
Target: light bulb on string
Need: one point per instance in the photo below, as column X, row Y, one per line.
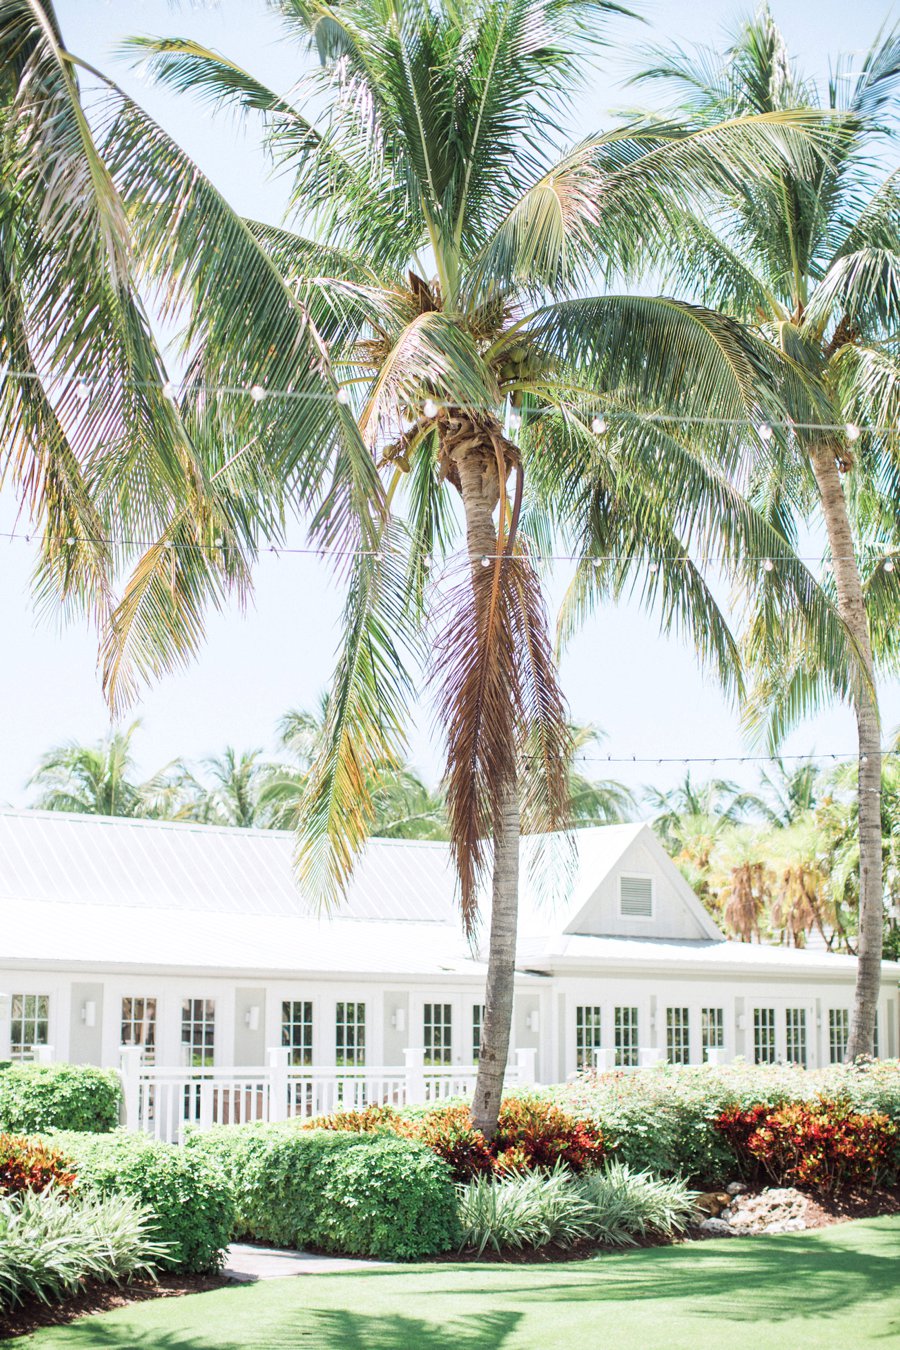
column 599, row 425
column 430, row 408
column 82, row 393
column 653, row 568
column 485, row 561
column 765, row 432
column 864, row 759
column 889, row 564
column 168, row 391
column 515, row 420
column 852, row 432
column 257, row 393
column 769, row 565
column 427, row 561
column 343, row 396
column 598, row 562
column 71, row 540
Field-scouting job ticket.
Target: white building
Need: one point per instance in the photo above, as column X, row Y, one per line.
column 194, row 942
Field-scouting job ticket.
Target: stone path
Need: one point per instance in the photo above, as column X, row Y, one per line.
column 245, row 1263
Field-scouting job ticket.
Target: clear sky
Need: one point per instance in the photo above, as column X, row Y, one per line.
column 644, row 691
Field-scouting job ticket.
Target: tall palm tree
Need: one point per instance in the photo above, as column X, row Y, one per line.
column 811, row 257
column 95, row 780
column 430, row 336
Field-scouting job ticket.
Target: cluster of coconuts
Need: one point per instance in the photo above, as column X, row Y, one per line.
column 517, row 364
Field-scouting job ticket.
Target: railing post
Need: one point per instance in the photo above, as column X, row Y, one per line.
column 647, row 1058
column 130, row 1069
column 277, row 1062
column 604, row 1060
column 526, row 1075
column 414, row 1084
column 43, row 1054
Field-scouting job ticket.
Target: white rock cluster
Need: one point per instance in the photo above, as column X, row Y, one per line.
column 775, row 1210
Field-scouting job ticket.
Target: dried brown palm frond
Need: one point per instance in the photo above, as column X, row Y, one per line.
column 745, row 900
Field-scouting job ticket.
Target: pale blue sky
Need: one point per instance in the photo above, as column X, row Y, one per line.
column 646, row 692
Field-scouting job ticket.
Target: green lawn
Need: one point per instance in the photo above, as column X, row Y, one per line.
column 835, row 1288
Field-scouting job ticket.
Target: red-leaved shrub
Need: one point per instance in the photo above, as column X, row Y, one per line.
column 823, row 1144
column 531, row 1132
column 29, row 1165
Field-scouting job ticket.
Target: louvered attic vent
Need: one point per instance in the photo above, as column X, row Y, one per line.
column 636, row 897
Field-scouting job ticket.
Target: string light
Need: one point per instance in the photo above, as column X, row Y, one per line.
column 769, row 565
column 599, row 425
column 485, row 561
column 82, row 392
column 889, row 564
column 343, row 396
column 851, row 430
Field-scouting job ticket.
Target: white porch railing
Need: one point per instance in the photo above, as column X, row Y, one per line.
column 163, row 1101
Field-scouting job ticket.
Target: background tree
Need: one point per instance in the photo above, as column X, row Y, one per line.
column 812, row 258
column 95, row 780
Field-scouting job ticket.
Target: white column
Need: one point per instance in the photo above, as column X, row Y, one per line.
column 130, row 1070
column 604, row 1060
column 277, row 1063
column 414, row 1060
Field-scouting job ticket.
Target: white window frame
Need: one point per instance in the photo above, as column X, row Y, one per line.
column 636, row 876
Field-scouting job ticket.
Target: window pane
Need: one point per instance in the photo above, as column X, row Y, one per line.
column 712, row 1030
column 198, row 1030
column 626, row 1037
column 838, row 1034
column 477, row 1020
column 29, row 1024
column 350, row 1034
column 678, row 1047
column 795, row 1036
column 138, row 1025
column 438, row 1033
column 297, row 1030
column 587, row 1035
column 764, row 1035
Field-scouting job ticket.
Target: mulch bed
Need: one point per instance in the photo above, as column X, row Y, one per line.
column 97, row 1298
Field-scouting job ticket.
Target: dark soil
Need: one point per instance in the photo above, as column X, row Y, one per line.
column 96, row 1298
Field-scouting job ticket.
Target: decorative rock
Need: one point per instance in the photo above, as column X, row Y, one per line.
column 716, row 1228
column 777, row 1210
column 786, row 1226
column 735, row 1188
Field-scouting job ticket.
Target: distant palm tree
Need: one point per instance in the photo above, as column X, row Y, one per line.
column 595, row 801
column 95, row 780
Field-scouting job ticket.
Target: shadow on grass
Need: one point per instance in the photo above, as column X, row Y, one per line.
column 760, row 1281
column 313, row 1329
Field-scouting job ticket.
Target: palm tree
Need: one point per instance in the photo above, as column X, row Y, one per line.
column 811, row 257
column 96, row 780
column 430, row 337
column 594, row 801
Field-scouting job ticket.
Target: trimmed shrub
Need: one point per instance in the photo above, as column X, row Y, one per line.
column 614, row 1205
column 532, row 1132
column 35, row 1098
column 362, row 1194
column 32, row 1165
column 664, row 1119
column 187, row 1194
column 49, row 1246
column 822, row 1144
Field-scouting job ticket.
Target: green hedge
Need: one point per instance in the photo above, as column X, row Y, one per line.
column 360, row 1194
column 39, row 1097
column 663, row 1119
column 188, row 1194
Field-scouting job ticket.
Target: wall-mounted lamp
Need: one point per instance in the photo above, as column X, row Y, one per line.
column 251, row 1017
column 533, row 1020
column 742, row 1022
column 89, row 1013
column 398, row 1019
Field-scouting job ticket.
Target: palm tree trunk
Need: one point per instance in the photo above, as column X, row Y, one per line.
column 476, row 465
column 852, row 608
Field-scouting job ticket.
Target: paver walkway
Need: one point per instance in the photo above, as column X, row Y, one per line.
column 245, row 1263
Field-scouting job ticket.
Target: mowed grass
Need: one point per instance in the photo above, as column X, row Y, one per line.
column 838, row 1287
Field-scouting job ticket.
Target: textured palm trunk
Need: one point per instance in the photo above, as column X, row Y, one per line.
column 476, row 466
column 852, row 608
